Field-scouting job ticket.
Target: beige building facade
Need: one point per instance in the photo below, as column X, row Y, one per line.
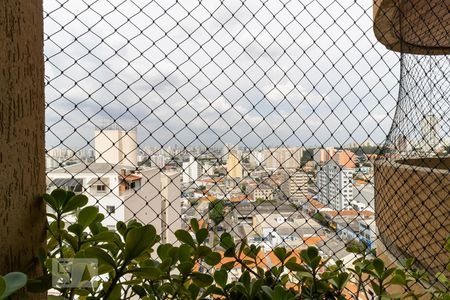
column 115, row 146
column 234, row 167
column 157, row 202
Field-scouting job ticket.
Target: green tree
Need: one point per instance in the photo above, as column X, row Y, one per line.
column 216, row 214
column 216, row 211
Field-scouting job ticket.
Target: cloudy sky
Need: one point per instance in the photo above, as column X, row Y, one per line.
column 249, row 72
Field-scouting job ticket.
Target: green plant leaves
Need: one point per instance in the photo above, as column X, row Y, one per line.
column 163, row 250
column 340, row 281
column 280, row 253
column 177, row 271
column 60, row 196
column 185, row 267
column 312, row 252
column 87, row 215
column 151, row 273
column 201, row 279
column 138, row 240
column 378, row 266
column 185, row 237
column 104, row 236
column 227, row 241
column 52, row 202
column 221, row 276
column 194, row 225
column 101, row 255
column 74, row 202
column 201, row 235
column 11, row 283
column 213, row 258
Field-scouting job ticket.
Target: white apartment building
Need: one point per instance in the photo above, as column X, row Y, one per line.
column 149, row 196
column 57, row 156
column 121, row 192
column 335, row 185
column 191, row 170
column 256, row 158
column 105, row 185
column 298, row 186
column 208, row 169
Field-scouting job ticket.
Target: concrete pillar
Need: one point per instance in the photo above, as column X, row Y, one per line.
column 22, row 162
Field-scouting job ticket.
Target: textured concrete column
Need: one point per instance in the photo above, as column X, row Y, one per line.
column 412, row 204
column 22, row 163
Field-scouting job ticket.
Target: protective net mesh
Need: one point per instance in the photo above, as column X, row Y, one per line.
column 259, row 118
column 413, row 171
column 421, row 124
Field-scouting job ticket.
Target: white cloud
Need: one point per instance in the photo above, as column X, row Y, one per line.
column 268, row 69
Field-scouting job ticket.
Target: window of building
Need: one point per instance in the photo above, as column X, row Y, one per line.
column 101, row 188
column 110, row 209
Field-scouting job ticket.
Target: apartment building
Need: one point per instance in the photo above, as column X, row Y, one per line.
column 157, row 202
column 264, row 192
column 116, row 146
column 106, row 186
column 334, row 183
column 298, row 186
column 191, row 170
column 345, row 158
column 323, row 155
column 234, row 166
column 282, row 158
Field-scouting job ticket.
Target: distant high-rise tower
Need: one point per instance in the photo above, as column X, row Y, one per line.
column 282, row 157
column 234, row 167
column 191, row 170
column 345, row 158
column 335, row 185
column 429, row 127
column 323, row 155
column 298, row 186
column 116, row 146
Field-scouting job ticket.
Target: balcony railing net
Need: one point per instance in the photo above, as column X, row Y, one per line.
column 265, row 119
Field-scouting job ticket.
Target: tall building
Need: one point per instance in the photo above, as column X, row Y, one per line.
column 157, row 202
column 234, row 167
column 323, row 155
column 345, row 159
column 170, row 206
column 334, row 183
column 256, row 158
column 282, row 158
column 429, row 140
column 191, row 170
column 113, row 145
column 298, row 186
